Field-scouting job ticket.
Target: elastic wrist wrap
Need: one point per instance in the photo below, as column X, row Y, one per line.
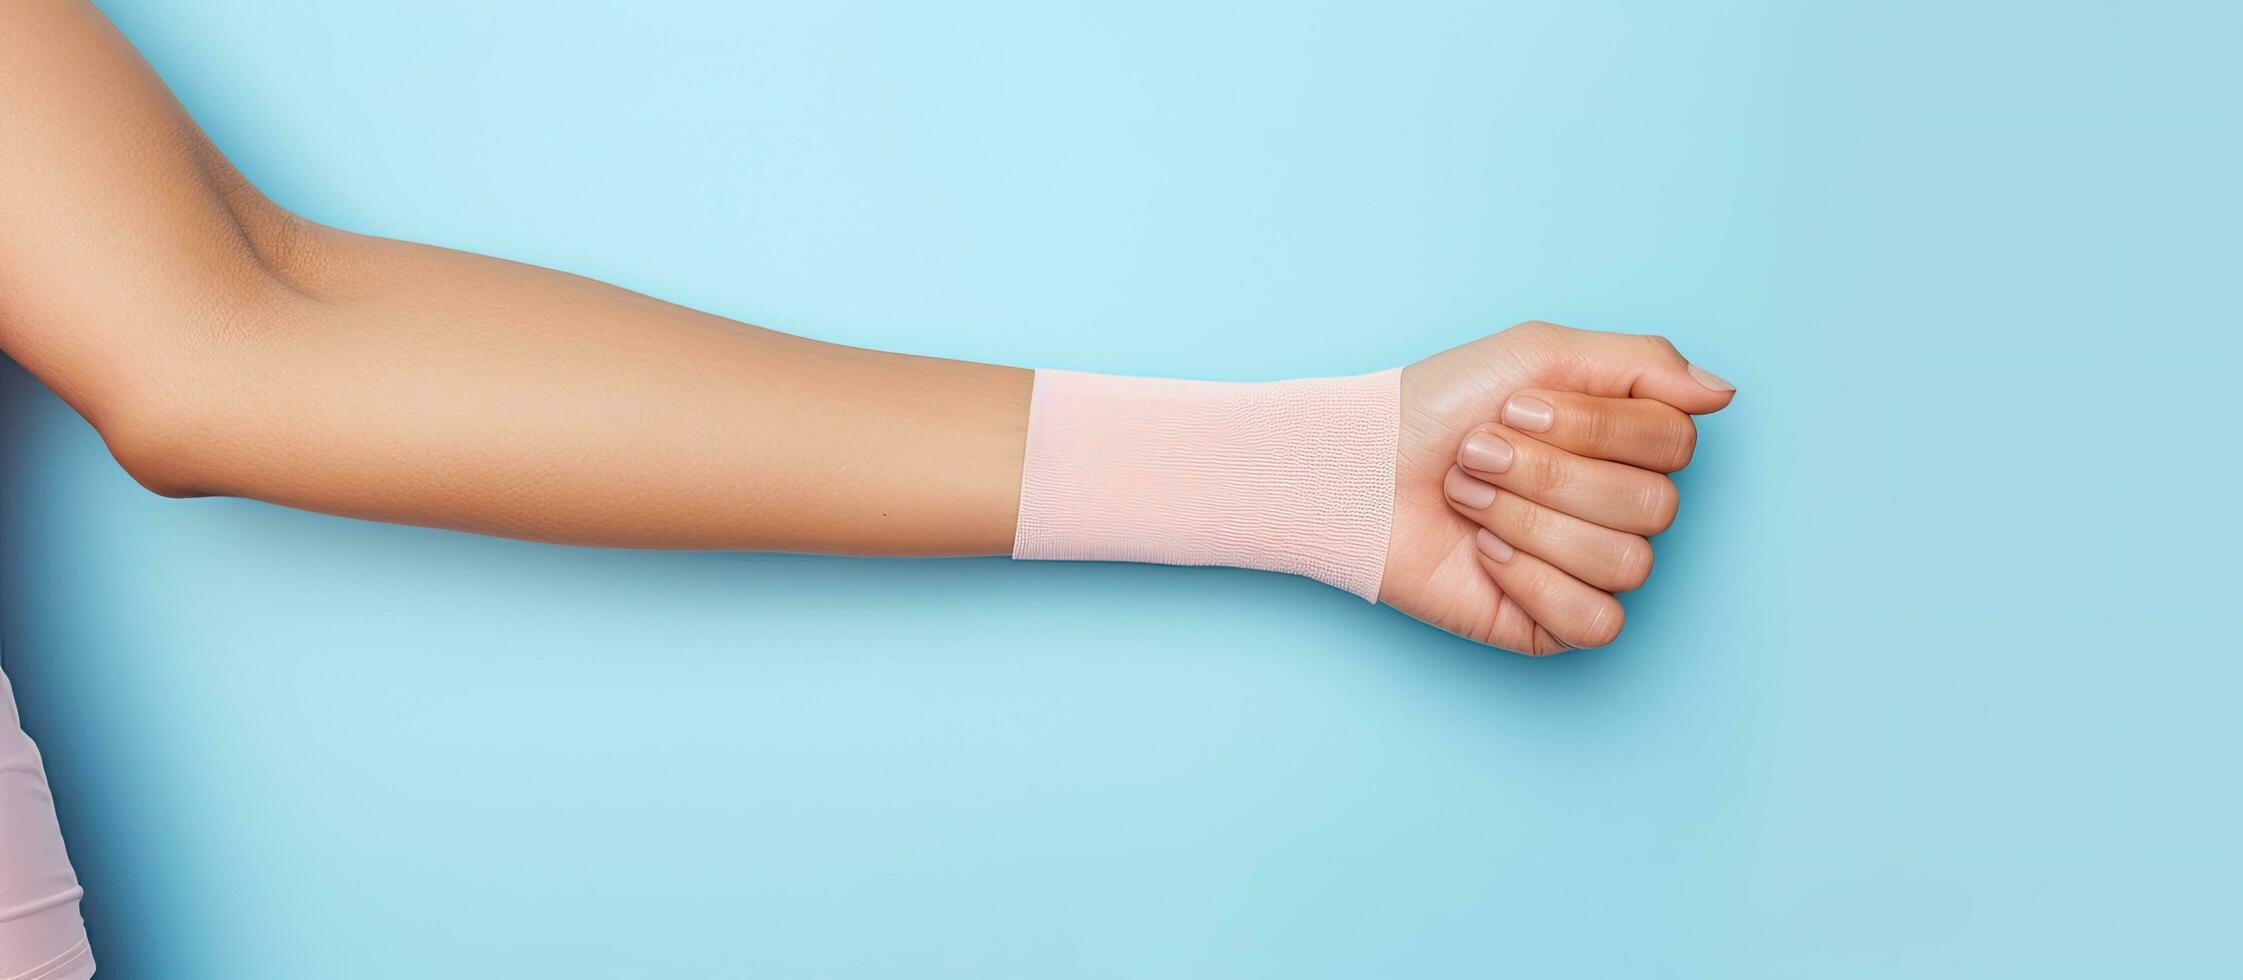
column 1285, row 476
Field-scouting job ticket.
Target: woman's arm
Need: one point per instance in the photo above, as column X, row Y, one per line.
column 224, row 346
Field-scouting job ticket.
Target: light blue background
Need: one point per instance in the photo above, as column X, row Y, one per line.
column 1936, row 678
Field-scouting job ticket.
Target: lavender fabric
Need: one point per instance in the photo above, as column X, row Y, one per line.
column 41, row 935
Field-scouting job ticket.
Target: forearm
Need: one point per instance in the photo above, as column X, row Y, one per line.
column 427, row 386
column 224, row 346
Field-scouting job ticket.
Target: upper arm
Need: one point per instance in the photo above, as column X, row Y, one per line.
column 127, row 242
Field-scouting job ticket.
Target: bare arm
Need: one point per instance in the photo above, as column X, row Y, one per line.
column 224, row 346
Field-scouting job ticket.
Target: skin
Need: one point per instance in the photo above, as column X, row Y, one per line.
column 1574, row 511
column 222, row 345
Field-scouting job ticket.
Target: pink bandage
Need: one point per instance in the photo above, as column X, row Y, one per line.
column 1285, row 476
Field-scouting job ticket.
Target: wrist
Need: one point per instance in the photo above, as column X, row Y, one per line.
column 1286, row 476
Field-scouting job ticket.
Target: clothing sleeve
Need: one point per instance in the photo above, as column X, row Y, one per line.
column 41, row 935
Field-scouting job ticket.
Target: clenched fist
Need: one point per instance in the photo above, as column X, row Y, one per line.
column 1530, row 477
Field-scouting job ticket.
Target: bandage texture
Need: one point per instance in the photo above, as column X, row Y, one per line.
column 1284, row 476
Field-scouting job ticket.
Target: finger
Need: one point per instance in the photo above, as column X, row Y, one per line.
column 1600, row 556
column 1573, row 612
column 1618, row 365
column 1616, row 495
column 1642, row 432
column 1514, row 630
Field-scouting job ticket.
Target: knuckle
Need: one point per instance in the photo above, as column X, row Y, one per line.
column 1546, row 474
column 1660, row 502
column 1605, row 623
column 1600, row 431
column 1660, row 344
column 1633, row 566
column 1542, row 333
column 1526, row 522
column 1685, row 444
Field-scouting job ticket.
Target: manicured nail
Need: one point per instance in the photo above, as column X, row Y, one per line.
column 1710, row 379
column 1494, row 547
column 1528, row 413
column 1486, row 453
column 1468, row 491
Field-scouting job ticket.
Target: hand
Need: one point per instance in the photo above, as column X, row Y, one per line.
column 1519, row 533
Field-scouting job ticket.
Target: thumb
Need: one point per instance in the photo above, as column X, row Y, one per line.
column 1620, row 365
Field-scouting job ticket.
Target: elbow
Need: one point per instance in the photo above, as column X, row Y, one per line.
column 150, row 400
column 157, row 434
column 184, row 419
column 192, row 421
column 174, row 354
column 222, row 414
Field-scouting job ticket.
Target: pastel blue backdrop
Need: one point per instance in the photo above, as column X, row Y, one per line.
column 1936, row 678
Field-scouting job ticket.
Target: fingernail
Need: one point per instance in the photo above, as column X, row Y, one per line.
column 1710, row 379
column 1494, row 547
column 1529, row 413
column 1468, row 491
column 1486, row 453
